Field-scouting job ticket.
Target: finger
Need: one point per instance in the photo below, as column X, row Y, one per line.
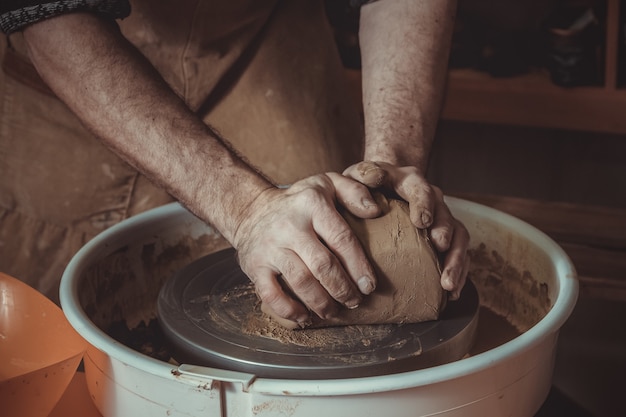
column 442, row 229
column 343, row 243
column 271, row 293
column 308, row 289
column 354, row 196
column 368, row 173
column 405, row 181
column 288, row 324
column 456, row 262
column 463, row 279
column 418, row 193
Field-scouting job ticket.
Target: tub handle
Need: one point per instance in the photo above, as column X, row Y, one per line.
column 215, row 374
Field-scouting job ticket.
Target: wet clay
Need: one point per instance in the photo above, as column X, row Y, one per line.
column 493, row 330
column 408, row 288
column 241, row 304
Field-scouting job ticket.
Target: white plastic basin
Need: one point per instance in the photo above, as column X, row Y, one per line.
column 117, row 275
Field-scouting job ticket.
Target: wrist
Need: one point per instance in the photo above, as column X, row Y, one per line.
column 400, row 155
column 245, row 212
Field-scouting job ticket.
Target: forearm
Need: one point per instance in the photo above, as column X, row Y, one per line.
column 405, row 47
column 123, row 100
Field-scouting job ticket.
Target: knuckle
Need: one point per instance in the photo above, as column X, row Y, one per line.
column 322, row 307
column 286, row 265
column 300, row 281
column 419, row 191
column 286, row 311
column 322, row 265
column 425, row 190
column 310, row 197
column 268, row 295
column 297, row 278
column 342, row 293
column 343, row 239
column 274, row 299
column 314, row 185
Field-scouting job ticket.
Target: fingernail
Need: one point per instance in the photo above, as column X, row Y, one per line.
column 447, row 282
column 365, row 284
column 352, row 304
column 444, row 240
column 368, row 203
column 426, row 218
column 304, row 323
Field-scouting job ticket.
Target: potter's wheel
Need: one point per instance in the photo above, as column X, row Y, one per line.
column 210, row 314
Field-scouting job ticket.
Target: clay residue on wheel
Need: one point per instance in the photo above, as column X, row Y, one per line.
column 240, row 304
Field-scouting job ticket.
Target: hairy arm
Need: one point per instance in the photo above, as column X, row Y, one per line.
column 119, row 96
column 405, row 47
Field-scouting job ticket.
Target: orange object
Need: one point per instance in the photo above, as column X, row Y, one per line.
column 76, row 401
column 39, row 350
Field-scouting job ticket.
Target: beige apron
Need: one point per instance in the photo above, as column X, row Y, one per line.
column 264, row 73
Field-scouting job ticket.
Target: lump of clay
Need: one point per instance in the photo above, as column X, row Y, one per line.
column 408, row 289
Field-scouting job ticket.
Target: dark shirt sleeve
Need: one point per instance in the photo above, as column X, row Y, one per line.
column 16, row 14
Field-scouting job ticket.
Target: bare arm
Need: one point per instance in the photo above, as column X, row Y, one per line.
column 125, row 102
column 405, row 47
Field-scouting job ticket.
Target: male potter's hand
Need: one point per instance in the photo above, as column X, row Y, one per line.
column 294, row 241
column 427, row 210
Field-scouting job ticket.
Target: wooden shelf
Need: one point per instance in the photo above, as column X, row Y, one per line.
column 533, row 100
